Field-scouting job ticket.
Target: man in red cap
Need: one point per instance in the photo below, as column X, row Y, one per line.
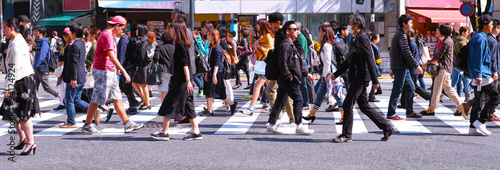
column 106, row 83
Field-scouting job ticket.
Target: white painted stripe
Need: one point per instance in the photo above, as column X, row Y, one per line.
column 45, row 116
column 337, row 116
column 358, row 125
column 239, row 123
column 408, row 125
column 184, row 130
column 446, row 115
column 144, row 115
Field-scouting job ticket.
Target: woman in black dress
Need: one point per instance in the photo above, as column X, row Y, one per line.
column 20, row 96
column 214, row 87
column 141, row 75
column 179, row 99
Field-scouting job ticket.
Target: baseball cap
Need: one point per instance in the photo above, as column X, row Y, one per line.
column 23, row 18
column 55, row 33
column 66, row 30
column 484, row 20
column 276, row 16
column 118, row 20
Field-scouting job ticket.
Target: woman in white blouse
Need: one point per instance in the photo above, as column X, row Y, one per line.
column 328, row 59
column 21, row 101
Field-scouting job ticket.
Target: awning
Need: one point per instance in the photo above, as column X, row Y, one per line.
column 441, row 15
column 138, row 4
column 67, row 18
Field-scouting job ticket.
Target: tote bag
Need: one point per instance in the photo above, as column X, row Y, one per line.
column 260, row 67
column 154, row 74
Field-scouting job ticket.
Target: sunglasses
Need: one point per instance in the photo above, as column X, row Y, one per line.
column 293, row 29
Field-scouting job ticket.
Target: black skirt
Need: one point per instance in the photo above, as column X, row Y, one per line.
column 216, row 91
column 178, row 102
column 23, row 101
column 141, row 75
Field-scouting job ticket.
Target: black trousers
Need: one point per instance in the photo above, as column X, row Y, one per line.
column 489, row 90
column 128, row 89
column 357, row 92
column 242, row 65
column 287, row 89
column 419, row 90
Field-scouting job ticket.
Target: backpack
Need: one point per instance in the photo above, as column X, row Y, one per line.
column 137, row 51
column 272, row 70
column 461, row 60
column 226, row 71
column 314, row 61
column 59, row 44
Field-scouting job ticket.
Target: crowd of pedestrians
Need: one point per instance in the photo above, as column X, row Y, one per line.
column 280, row 60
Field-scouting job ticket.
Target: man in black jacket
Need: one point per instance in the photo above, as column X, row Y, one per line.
column 74, row 75
column 361, row 65
column 401, row 61
column 129, row 66
column 290, row 75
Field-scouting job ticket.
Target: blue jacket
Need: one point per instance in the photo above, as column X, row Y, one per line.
column 492, row 44
column 415, row 52
column 216, row 59
column 479, row 56
column 121, row 48
column 44, row 46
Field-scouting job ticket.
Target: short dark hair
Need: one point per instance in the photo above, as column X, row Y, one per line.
column 14, row 23
column 445, row 30
column 335, row 26
column 404, row 19
column 496, row 23
column 76, row 28
column 208, row 25
column 358, row 19
column 222, row 31
column 233, row 33
column 373, row 36
column 342, row 27
column 168, row 37
column 40, row 29
column 182, row 16
column 463, row 29
column 286, row 26
column 142, row 30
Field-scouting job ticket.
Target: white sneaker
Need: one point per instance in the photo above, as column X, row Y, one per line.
column 304, row 131
column 475, row 132
column 273, row 129
column 481, row 127
column 247, row 112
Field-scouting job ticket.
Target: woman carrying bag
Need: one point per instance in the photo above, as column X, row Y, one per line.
column 214, row 86
column 164, row 55
column 140, row 79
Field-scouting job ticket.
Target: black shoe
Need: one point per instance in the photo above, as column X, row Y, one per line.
column 206, row 113
column 312, row 118
column 29, row 151
column 378, row 92
column 341, row 139
column 340, row 122
column 401, row 106
column 150, row 93
column 373, row 100
column 131, row 110
column 233, row 108
column 135, row 105
column 331, row 109
column 388, row 134
column 111, row 110
column 21, row 145
column 145, row 108
column 60, row 107
column 248, row 87
column 193, row 136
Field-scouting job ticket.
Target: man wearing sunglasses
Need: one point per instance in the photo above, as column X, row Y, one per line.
column 290, row 75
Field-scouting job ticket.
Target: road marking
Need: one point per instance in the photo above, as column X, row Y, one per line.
column 198, row 119
column 285, row 127
column 446, row 115
column 408, row 125
column 45, row 116
column 239, row 123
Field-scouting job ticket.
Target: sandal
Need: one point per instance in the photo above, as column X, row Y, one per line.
column 424, row 113
column 236, row 86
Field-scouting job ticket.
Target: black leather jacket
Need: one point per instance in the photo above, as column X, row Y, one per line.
column 290, row 63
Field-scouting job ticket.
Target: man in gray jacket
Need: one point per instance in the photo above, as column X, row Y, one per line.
column 401, row 61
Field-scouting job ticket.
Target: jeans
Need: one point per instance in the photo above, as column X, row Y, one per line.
column 457, row 79
column 401, row 78
column 198, row 80
column 321, row 95
column 303, row 87
column 73, row 98
column 421, row 80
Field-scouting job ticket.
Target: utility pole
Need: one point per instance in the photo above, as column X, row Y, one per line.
column 191, row 14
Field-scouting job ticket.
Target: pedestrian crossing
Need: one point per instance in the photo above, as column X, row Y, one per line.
column 240, row 124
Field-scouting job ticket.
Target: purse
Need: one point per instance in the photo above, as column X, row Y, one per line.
column 154, row 74
column 89, row 84
column 260, row 67
column 432, row 68
column 202, row 65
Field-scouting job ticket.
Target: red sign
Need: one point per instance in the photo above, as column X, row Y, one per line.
column 76, row 5
column 421, row 19
column 466, row 9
